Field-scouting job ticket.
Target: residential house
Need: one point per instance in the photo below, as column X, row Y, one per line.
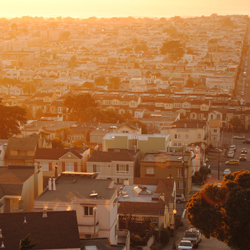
column 94, row 201
column 50, row 230
column 61, row 160
column 128, row 127
column 40, row 101
column 19, row 185
column 214, row 135
column 164, row 165
column 21, row 151
column 143, row 142
column 152, row 203
column 121, row 165
column 185, row 132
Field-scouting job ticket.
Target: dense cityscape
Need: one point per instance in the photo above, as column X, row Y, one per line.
column 119, row 133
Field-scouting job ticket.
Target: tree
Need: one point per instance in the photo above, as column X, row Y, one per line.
column 136, row 65
column 10, row 120
column 63, row 133
column 88, row 85
column 65, row 35
column 73, row 61
column 77, row 105
column 223, row 212
column 28, row 114
column 190, row 82
column 114, row 82
column 235, row 122
column 173, row 48
column 57, row 143
column 39, row 113
column 100, row 81
column 26, row 243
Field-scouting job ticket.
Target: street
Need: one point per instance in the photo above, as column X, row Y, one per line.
column 228, row 140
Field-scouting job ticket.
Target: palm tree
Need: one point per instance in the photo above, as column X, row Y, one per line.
column 25, row 243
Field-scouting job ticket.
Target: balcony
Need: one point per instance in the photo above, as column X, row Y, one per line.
column 123, row 238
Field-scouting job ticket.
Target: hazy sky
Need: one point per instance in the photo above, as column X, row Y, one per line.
column 118, row 8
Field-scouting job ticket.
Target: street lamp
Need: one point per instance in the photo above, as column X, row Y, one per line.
column 95, row 209
column 174, row 246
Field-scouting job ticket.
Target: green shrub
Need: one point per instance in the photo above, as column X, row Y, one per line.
column 164, row 235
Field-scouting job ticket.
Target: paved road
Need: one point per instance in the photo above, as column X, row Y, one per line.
column 227, row 141
column 208, row 244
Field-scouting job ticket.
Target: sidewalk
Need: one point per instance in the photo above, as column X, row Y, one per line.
column 178, row 235
column 181, row 230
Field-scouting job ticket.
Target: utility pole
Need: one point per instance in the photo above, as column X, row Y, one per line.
column 183, row 167
column 218, row 165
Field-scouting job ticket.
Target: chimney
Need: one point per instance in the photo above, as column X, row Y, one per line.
column 2, row 246
column 49, row 184
column 83, row 146
column 54, row 184
column 45, row 213
column 24, row 220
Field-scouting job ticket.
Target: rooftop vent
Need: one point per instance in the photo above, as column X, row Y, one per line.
column 93, row 194
column 1, row 235
column 24, row 221
column 45, row 213
column 2, row 246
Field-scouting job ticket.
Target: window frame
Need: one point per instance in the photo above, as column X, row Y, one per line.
column 88, row 210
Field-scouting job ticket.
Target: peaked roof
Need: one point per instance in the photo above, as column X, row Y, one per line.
column 54, row 153
column 14, row 143
column 51, row 232
column 112, row 155
column 12, row 179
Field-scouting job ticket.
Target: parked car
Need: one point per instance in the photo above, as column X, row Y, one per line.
column 185, row 244
column 192, row 237
column 232, row 147
column 247, row 141
column 215, row 150
column 233, row 162
column 226, row 171
column 243, row 157
column 241, row 137
column 244, row 151
column 230, row 153
column 194, row 230
column 180, row 198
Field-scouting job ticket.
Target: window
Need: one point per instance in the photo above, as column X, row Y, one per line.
column 180, row 172
column 69, row 166
column 218, row 116
column 122, row 168
column 212, row 116
column 45, row 166
column 96, row 168
column 199, row 136
column 215, row 130
column 177, row 136
column 186, row 136
column 150, row 171
column 88, row 211
column 177, row 144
